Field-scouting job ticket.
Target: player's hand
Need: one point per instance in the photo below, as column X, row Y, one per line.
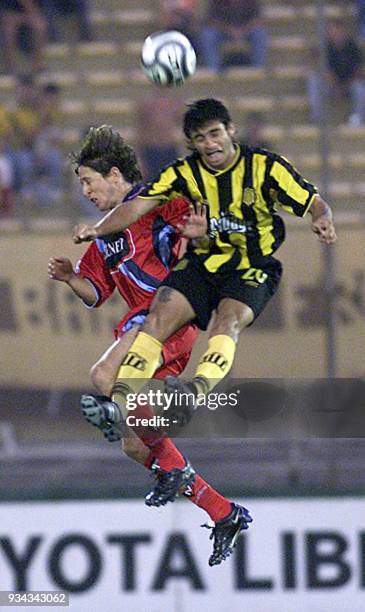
column 60, row 268
column 325, row 229
column 83, row 233
column 195, row 223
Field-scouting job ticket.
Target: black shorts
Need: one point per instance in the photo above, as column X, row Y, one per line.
column 204, row 290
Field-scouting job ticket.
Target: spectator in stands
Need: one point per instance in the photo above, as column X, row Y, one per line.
column 17, row 17
column 180, row 15
column 26, row 122
column 6, row 169
column 37, row 158
column 360, row 10
column 6, row 180
column 252, row 134
column 158, row 116
column 237, row 21
column 49, row 160
column 344, row 79
column 54, row 9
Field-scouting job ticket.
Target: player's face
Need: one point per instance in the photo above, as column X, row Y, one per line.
column 103, row 191
column 214, row 143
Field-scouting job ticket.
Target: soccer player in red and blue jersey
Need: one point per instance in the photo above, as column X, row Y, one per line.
column 135, row 261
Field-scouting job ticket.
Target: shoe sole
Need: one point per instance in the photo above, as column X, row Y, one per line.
column 94, row 414
column 189, row 478
column 179, row 415
column 91, row 410
column 241, row 526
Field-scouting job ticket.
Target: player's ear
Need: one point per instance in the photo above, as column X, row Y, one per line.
column 115, row 173
column 189, row 144
column 231, row 129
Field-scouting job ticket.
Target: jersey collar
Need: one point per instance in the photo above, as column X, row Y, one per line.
column 133, row 192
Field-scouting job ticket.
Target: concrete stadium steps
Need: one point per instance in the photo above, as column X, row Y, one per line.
column 84, row 83
column 123, row 24
column 300, row 144
column 79, row 115
column 342, row 168
column 346, row 171
column 285, row 19
column 121, row 51
column 308, row 4
column 291, row 50
column 129, row 21
column 101, row 81
column 304, row 139
column 99, row 55
column 286, row 54
column 115, row 5
column 114, row 108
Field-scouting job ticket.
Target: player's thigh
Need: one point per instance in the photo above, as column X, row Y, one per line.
column 169, row 311
column 244, row 295
column 194, row 286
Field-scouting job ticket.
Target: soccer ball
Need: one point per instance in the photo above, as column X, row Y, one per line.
column 168, row 58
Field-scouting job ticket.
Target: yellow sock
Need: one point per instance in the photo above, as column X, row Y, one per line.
column 138, row 366
column 215, row 363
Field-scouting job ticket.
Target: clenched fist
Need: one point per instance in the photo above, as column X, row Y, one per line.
column 83, row 233
column 60, row 268
column 325, row 229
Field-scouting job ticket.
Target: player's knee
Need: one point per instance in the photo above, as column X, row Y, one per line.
column 101, row 379
column 232, row 323
column 161, row 323
column 154, row 325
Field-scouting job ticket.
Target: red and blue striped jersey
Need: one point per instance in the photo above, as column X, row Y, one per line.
column 137, row 259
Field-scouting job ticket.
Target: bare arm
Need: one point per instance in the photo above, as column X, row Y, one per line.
column 119, row 218
column 322, row 220
column 61, row 269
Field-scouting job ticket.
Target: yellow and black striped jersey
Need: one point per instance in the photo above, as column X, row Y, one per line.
column 243, row 202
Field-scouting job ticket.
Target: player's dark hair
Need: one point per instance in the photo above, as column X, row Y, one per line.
column 104, row 148
column 202, row 111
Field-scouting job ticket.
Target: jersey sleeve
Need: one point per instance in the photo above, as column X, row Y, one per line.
column 174, row 211
column 92, row 267
column 167, row 186
column 289, row 189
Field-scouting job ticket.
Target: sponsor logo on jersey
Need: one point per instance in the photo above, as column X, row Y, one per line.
column 226, row 223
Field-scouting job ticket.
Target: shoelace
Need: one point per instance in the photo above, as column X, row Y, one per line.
column 211, row 526
column 160, row 478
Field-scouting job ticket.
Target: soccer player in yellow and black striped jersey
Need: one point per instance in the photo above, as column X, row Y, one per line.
column 232, row 271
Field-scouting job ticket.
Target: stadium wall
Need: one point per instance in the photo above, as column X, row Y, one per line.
column 302, row 554
column 50, row 339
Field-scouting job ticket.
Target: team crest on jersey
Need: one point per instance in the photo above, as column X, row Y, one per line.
column 248, row 196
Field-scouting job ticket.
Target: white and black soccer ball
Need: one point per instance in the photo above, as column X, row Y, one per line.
column 168, row 58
